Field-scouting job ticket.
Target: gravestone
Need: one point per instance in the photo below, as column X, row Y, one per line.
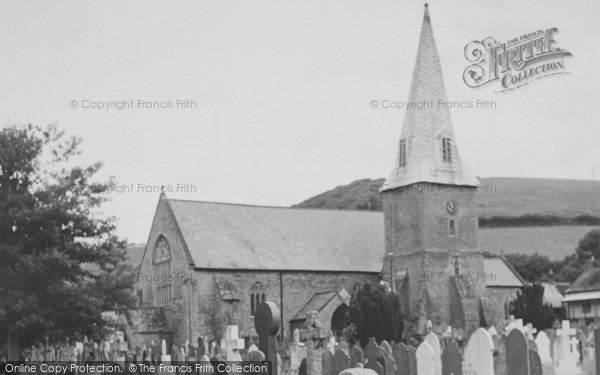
column 327, row 363
column 331, row 344
column 500, row 358
column 535, row 364
column 517, row 353
column 530, row 331
column 341, row 359
column 254, row 355
column 266, row 323
column 232, row 344
column 294, row 350
column 479, row 353
column 400, row 354
column 451, row 359
column 432, row 339
column 425, row 359
column 372, row 352
column 358, row 371
column 597, row 350
column 412, row 360
column 164, row 357
column 314, row 335
column 174, row 353
column 389, row 367
column 356, row 355
column 567, row 350
column 543, row 345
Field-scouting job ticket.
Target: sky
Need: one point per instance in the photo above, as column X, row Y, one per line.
column 283, row 91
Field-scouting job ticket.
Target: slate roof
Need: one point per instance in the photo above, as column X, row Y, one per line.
column 424, row 127
column 233, row 236
column 588, row 281
column 501, row 274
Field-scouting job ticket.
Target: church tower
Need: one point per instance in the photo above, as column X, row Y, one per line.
column 430, row 213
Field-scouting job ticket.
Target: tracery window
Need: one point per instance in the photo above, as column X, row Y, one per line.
column 162, row 272
column 257, row 296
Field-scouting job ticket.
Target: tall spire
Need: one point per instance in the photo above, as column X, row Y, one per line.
column 427, row 150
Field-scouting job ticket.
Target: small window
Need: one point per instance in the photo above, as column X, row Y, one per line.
column 446, row 150
column 587, row 307
column 456, row 266
column 452, row 228
column 402, row 153
column 257, row 296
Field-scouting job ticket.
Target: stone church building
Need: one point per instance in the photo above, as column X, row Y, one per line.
column 207, row 265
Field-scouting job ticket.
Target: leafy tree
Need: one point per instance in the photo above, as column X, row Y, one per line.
column 532, row 267
column 374, row 312
column 61, row 260
column 530, row 307
column 589, row 245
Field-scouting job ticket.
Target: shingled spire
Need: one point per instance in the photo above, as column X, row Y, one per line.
column 427, row 148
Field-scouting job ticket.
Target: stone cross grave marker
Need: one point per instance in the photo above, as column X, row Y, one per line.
column 425, row 359
column 479, row 353
column 432, row 339
column 543, row 344
column 530, row 331
column 232, row 344
column 266, row 323
column 314, row 335
column 517, row 353
column 567, row 362
column 451, row 359
column 372, row 352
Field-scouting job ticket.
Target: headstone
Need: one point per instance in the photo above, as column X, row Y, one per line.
column 479, row 353
column 294, row 350
column 331, row 344
column 358, row 371
column 412, row 360
column 372, row 352
column 232, row 344
column 356, row 355
column 327, row 363
column 400, row 354
column 389, row 367
column 425, row 359
column 567, row 351
column 254, row 355
column 266, row 323
column 451, row 359
column 517, row 353
column 434, row 342
column 341, row 359
column 535, row 364
column 543, row 345
column 314, row 336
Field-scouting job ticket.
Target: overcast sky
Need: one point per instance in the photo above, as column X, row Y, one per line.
column 283, row 91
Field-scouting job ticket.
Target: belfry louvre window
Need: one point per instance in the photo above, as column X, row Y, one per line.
column 402, row 153
column 257, row 296
column 446, row 149
column 162, row 272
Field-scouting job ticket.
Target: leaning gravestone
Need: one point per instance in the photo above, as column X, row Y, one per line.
column 266, row 323
column 517, row 353
column 433, row 340
column 535, row 364
column 451, row 359
column 543, row 345
column 327, row 363
column 425, row 359
column 479, row 353
column 356, row 355
column 341, row 359
column 400, row 354
column 372, row 352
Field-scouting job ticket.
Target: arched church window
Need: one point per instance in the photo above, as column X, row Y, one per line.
column 446, row 150
column 257, row 296
column 161, row 261
column 452, row 228
column 402, row 153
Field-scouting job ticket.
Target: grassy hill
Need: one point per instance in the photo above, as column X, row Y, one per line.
column 500, row 196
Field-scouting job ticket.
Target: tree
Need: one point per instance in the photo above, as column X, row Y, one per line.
column 530, row 307
column 375, row 312
column 589, row 245
column 50, row 225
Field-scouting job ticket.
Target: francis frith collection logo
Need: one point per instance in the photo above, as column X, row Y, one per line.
column 515, row 63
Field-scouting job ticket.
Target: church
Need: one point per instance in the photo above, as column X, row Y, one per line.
column 207, row 265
